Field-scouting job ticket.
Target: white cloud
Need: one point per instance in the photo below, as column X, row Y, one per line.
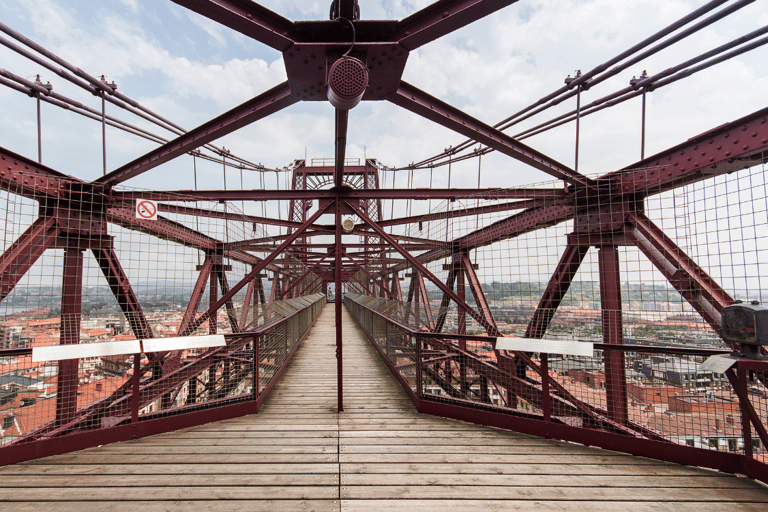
column 133, row 5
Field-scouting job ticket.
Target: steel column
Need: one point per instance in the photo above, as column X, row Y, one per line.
column 610, row 301
column 337, row 305
column 71, row 302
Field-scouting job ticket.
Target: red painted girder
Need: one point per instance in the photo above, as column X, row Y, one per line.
column 529, row 391
column 537, row 218
column 748, row 410
column 172, row 231
column 441, row 18
column 305, row 274
column 421, row 290
column 119, row 405
column 693, row 283
column 248, row 18
column 199, row 212
column 231, row 316
column 345, row 191
column 610, row 306
column 252, row 110
column 256, row 269
column 727, row 148
column 24, row 252
column 421, row 103
column 408, row 256
column 71, row 304
column 21, row 176
column 249, row 294
column 477, row 292
column 378, row 282
column 340, row 143
column 558, row 286
column 466, row 212
column 197, row 293
column 123, row 292
column 161, row 228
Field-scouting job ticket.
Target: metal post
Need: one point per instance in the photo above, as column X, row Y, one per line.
column 104, row 130
column 568, row 80
column 545, row 402
column 419, row 386
column 136, row 393
column 39, row 127
column 71, row 303
column 746, row 427
column 610, row 299
column 634, row 83
column 337, row 293
column 642, row 129
column 462, row 327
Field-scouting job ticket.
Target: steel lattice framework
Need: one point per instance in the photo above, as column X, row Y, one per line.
column 607, row 213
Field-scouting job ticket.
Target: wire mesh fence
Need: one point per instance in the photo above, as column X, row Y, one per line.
column 643, row 278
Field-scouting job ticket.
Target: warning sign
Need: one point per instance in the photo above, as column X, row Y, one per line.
column 146, row 209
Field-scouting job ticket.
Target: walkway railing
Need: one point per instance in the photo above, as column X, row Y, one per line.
column 132, row 396
column 668, row 407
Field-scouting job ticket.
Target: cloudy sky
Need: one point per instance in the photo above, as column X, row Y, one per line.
column 189, row 70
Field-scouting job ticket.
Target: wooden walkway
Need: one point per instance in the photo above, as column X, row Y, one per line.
column 378, row 455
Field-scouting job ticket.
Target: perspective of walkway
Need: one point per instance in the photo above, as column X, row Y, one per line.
column 297, row 453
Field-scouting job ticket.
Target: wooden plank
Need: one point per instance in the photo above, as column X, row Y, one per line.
column 502, row 468
column 494, row 505
column 714, row 481
column 154, row 468
column 188, row 492
column 661, row 494
column 164, row 480
column 447, row 458
column 253, row 504
column 171, row 458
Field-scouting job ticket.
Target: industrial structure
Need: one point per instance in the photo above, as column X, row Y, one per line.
column 645, row 259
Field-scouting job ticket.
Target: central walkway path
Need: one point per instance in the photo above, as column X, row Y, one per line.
column 379, row 454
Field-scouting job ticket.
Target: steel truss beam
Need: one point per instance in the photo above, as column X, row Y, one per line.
column 558, row 286
column 248, row 18
column 121, row 289
column 252, row 110
column 693, row 283
column 256, row 269
column 441, row 18
column 419, row 102
column 423, row 194
column 24, row 252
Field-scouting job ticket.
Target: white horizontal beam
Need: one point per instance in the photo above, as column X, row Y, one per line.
column 571, row 348
column 82, row 351
column 183, row 342
column 117, row 348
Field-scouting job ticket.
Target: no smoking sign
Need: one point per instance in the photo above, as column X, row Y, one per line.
column 146, row 209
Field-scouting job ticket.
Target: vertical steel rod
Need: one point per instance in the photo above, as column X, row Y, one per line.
column 642, row 128
column 545, row 401
column 104, row 131
column 39, row 131
column 578, row 122
column 337, row 293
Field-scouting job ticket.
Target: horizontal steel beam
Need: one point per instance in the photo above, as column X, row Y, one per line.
column 421, row 103
column 332, row 193
column 252, row 110
column 248, row 18
column 441, row 18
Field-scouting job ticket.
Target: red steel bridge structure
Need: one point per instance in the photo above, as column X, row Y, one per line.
column 422, row 297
